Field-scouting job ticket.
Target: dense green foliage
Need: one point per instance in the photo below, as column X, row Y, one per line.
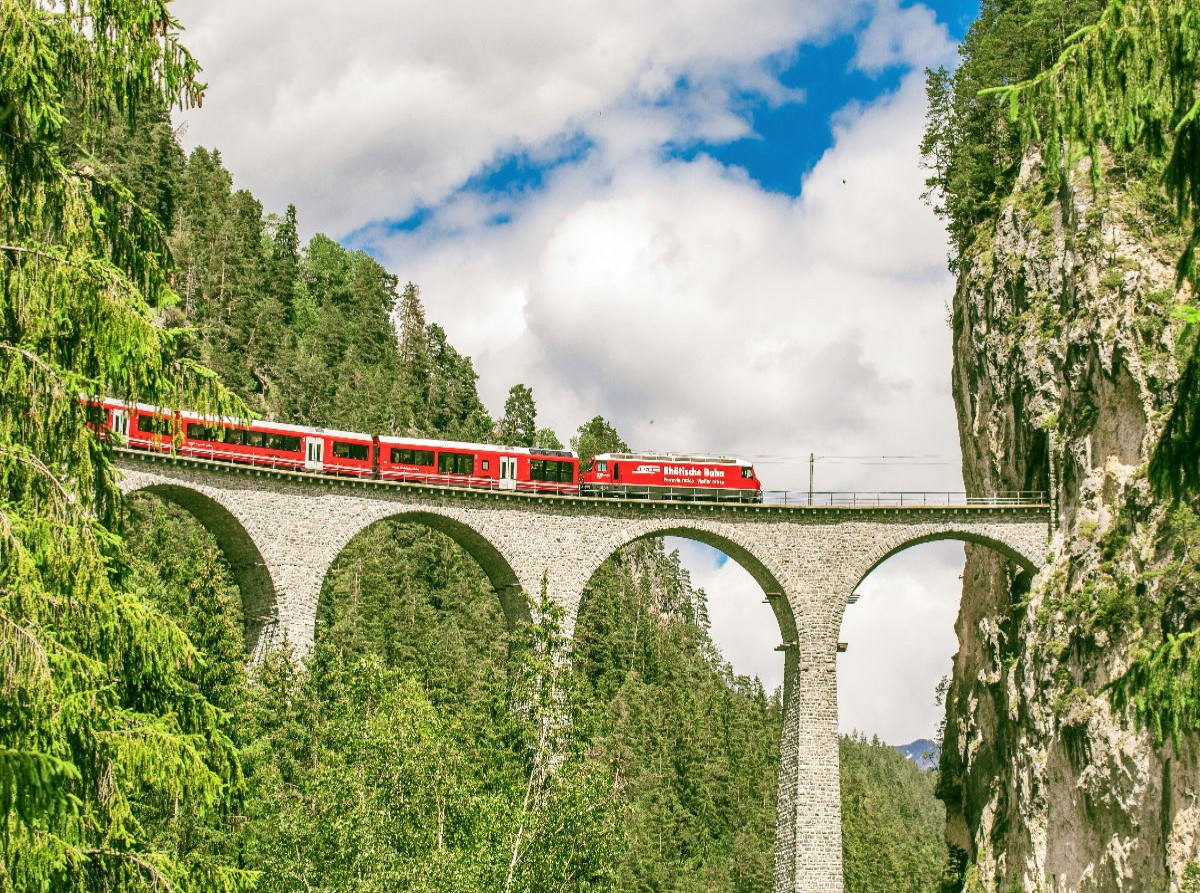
column 102, row 722
column 971, row 147
column 670, row 770
column 892, row 823
column 595, row 437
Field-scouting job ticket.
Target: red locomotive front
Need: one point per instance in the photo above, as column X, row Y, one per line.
column 643, row 476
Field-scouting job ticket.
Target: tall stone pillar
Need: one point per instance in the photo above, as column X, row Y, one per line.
column 808, row 848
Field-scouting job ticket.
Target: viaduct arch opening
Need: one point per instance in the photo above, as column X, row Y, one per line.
column 675, row 743
column 888, row 549
column 905, row 640
column 250, row 572
column 756, row 567
column 496, row 568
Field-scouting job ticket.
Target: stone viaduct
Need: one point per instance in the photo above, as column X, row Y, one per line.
column 281, row 531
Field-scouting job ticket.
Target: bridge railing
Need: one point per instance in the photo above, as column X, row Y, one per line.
column 901, row 498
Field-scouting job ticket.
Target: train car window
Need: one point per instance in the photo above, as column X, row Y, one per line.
column 411, row 457
column 201, row 432
column 747, row 471
column 285, row 443
column 456, row 463
column 484, row 464
column 153, row 424
column 601, row 466
column 551, row 471
column 356, row 451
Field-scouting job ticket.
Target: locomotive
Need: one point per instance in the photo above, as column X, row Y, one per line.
column 416, row 460
column 649, row 476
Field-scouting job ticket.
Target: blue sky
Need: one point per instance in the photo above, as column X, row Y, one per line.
column 698, row 218
column 784, row 142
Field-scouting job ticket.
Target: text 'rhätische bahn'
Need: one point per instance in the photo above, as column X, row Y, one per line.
column 413, row 460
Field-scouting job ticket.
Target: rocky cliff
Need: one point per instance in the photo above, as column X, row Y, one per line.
column 1065, row 359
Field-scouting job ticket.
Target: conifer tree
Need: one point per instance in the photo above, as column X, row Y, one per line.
column 96, row 717
column 285, row 258
column 518, row 426
column 595, row 437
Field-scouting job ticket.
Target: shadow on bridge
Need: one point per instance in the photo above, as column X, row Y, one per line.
column 246, row 562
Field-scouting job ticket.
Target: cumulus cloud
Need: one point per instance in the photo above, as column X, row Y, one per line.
column 901, row 642
column 368, row 109
column 698, row 311
column 911, row 37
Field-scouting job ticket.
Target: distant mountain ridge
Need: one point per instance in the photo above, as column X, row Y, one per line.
column 923, row 752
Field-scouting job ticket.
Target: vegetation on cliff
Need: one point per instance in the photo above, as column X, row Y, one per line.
column 1063, row 154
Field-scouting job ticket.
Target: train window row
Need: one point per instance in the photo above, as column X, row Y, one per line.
column 358, row 451
column 456, row 463
column 240, row 437
column 412, row 457
column 153, row 424
column 551, row 471
column 545, row 470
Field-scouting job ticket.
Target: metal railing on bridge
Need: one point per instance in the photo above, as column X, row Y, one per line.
column 796, row 498
column 901, row 498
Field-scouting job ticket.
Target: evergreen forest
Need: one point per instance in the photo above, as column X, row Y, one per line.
column 420, row 746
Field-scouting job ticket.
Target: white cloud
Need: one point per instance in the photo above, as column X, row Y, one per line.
column 901, row 641
column 698, row 311
column 356, row 111
column 911, row 37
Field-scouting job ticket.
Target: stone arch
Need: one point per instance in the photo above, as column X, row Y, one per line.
column 250, row 571
column 495, row 566
column 1013, row 547
column 719, row 537
column 910, row 538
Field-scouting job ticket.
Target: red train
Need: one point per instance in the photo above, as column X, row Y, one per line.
column 326, row 451
column 647, row 476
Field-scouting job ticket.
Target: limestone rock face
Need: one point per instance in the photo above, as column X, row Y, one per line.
column 1065, row 360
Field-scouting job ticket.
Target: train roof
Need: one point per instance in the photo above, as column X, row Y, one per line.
column 384, row 438
column 672, row 457
column 230, row 420
column 396, row 440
